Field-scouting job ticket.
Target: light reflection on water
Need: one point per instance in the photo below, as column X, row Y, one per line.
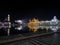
column 53, row 28
column 52, row 40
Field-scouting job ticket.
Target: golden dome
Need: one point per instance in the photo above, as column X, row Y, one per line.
column 33, row 24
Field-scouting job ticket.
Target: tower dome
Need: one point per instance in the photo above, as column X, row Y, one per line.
column 54, row 20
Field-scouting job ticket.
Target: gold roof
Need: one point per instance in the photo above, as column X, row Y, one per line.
column 33, row 24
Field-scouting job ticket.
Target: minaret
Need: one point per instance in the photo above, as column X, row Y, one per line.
column 8, row 25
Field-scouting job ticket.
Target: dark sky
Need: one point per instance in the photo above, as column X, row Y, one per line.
column 25, row 9
column 28, row 9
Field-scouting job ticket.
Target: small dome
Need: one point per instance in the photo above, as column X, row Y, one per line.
column 54, row 19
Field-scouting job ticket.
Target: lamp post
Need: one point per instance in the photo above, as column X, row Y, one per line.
column 9, row 25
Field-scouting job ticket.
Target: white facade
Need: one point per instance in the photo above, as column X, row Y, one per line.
column 54, row 20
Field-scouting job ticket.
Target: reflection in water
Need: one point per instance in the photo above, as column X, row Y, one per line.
column 55, row 35
column 53, row 28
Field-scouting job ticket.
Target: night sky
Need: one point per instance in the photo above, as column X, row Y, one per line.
column 29, row 9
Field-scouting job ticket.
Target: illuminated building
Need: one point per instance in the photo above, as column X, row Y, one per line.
column 19, row 25
column 33, row 25
column 54, row 20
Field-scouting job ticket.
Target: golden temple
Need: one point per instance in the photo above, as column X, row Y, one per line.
column 33, row 24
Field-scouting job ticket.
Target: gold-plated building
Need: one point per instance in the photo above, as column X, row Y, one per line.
column 33, row 25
